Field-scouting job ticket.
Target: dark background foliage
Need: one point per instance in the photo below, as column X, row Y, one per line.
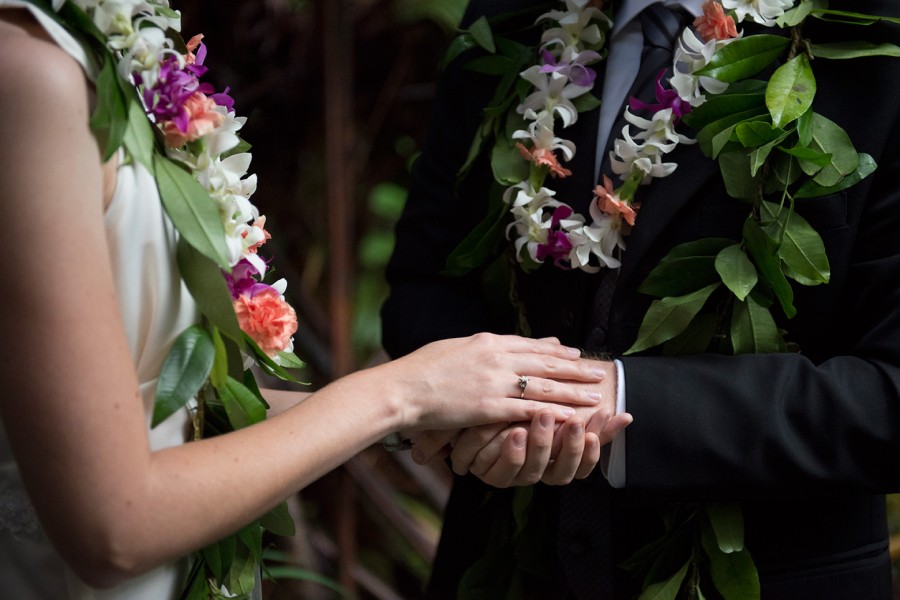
column 337, row 94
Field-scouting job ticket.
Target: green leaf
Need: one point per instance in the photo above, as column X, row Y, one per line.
column 810, row 161
column 852, row 18
column 680, row 276
column 695, row 339
column 829, row 138
column 811, row 189
column 735, row 169
column 668, row 317
column 715, row 129
column 110, row 116
column 193, row 212
column 764, row 250
column 736, row 270
column 752, row 134
column 268, row 364
column 184, row 371
column 745, row 57
column 139, row 138
column 586, row 103
column 243, row 407
column 727, row 522
column 801, row 247
column 753, row 330
column 857, row 49
column 493, row 64
column 796, row 15
column 508, row 165
column 460, row 44
column 702, row 247
column 790, row 91
column 741, row 97
column 204, row 281
column 805, row 128
column 289, row 360
column 482, row 34
column 219, row 556
column 666, row 590
column 279, row 522
column 733, row 574
column 480, row 243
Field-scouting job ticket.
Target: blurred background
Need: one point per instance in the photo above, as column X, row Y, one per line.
column 337, row 95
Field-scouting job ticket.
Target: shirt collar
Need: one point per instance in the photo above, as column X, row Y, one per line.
column 632, row 8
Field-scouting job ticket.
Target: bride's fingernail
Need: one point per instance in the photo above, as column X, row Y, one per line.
column 595, row 396
column 546, row 420
column 567, row 411
column 599, row 372
column 573, row 351
column 519, row 439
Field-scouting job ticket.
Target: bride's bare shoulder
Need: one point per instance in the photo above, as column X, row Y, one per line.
column 34, row 71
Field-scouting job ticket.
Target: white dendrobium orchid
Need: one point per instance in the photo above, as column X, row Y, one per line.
column 552, row 95
column 575, row 24
column 763, row 12
column 540, row 133
column 691, row 55
column 628, row 156
column 600, row 239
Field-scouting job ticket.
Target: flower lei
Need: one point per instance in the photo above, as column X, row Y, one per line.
column 151, row 102
column 768, row 142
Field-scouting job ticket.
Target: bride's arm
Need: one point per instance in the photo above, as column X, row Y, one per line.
column 70, row 400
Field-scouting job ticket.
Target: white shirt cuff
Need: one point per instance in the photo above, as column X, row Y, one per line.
column 613, row 461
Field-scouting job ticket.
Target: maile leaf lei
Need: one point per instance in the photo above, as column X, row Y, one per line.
column 771, row 148
column 152, row 103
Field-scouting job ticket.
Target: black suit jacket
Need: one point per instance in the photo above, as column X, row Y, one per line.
column 806, row 441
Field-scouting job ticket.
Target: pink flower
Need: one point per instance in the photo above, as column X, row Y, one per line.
column 202, row 118
column 609, row 202
column 543, row 158
column 259, row 224
column 267, row 319
column 192, row 45
column 714, row 24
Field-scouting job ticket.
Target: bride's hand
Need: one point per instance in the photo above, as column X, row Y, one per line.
column 463, row 382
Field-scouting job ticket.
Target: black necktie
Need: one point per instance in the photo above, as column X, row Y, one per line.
column 584, row 520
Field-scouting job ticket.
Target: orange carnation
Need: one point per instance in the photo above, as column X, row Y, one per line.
column 714, row 23
column 202, row 119
column 267, row 319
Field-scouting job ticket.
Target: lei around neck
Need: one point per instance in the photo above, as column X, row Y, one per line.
column 771, row 148
column 770, row 145
column 153, row 105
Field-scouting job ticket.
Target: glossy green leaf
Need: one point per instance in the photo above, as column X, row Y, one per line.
column 482, row 34
column 790, row 91
column 741, row 97
column 805, row 128
column 856, row 49
column 204, row 281
column 279, row 522
column 703, row 247
column 680, row 276
column 267, row 364
column 753, row 330
column 801, row 247
column 219, row 556
column 736, row 270
column 243, row 407
column 508, row 165
column 796, row 15
column 811, row 189
column 193, row 212
column 219, row 373
column 752, row 134
column 727, row 522
column 759, row 156
column 733, row 574
column 745, row 57
column 714, row 130
column 461, row 43
column 493, row 64
column 810, row 161
column 668, row 317
column 183, row 373
column 666, row 590
column 586, row 103
column 829, row 138
column 764, row 250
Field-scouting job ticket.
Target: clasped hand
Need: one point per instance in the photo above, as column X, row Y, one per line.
column 546, row 449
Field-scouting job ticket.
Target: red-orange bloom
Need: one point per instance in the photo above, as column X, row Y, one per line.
column 610, row 203
column 202, row 119
column 714, row 23
column 543, row 158
column 267, row 319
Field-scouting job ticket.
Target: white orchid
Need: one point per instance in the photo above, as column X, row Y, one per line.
column 575, row 25
column 764, row 12
column 553, row 95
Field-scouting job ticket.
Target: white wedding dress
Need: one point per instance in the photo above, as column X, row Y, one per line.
column 155, row 307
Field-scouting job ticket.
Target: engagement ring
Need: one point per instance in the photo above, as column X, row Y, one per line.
column 523, row 383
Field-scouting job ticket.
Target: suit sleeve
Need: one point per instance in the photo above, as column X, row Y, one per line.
column 829, row 416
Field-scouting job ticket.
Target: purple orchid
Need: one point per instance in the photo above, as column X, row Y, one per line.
column 241, row 281
column 168, row 95
column 576, row 71
column 664, row 99
column 558, row 244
